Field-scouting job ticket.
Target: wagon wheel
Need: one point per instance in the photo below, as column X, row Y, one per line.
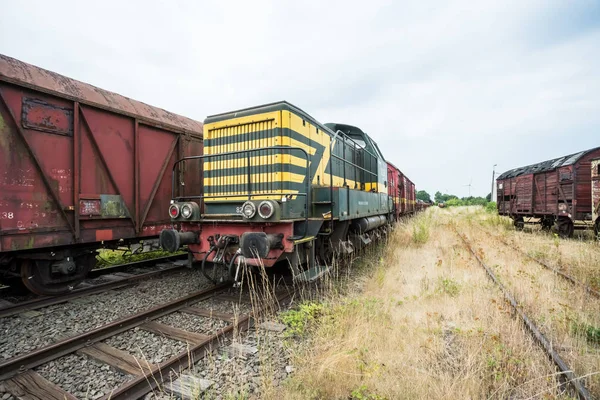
column 36, row 277
column 519, row 223
column 565, row 227
column 547, row 223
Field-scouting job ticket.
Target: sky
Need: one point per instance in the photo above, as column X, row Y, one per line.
column 446, row 88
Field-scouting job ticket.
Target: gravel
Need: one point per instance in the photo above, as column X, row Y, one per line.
column 193, row 323
column 147, row 346
column 4, row 395
column 82, row 376
column 240, row 376
column 20, row 334
column 229, row 307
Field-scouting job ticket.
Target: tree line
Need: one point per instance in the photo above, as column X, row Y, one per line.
column 452, row 200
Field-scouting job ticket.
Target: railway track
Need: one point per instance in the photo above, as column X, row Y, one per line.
column 20, row 374
column 557, row 271
column 114, row 278
column 567, row 374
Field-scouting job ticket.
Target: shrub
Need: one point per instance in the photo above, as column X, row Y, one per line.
column 420, row 232
column 298, row 320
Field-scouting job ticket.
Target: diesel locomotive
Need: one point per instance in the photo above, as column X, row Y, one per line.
column 280, row 186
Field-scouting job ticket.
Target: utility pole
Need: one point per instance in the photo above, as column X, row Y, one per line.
column 493, row 183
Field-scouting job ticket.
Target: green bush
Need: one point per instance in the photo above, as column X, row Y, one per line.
column 491, row 207
column 298, row 320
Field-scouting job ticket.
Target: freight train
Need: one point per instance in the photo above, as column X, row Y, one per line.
column 80, row 168
column 563, row 193
column 281, row 187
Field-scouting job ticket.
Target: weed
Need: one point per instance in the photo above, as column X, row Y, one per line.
column 362, row 393
column 420, row 234
column 590, row 332
column 448, row 286
column 298, row 320
column 107, row 258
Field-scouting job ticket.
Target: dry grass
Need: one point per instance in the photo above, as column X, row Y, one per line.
column 427, row 323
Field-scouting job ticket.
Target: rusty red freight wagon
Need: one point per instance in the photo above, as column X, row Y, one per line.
column 401, row 190
column 554, row 192
column 595, row 164
column 80, row 167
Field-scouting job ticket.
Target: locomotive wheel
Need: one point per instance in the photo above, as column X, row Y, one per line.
column 35, row 275
column 565, row 227
column 519, row 223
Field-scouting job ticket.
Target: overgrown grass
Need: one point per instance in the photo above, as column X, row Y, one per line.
column 108, row 258
column 424, row 323
column 420, row 230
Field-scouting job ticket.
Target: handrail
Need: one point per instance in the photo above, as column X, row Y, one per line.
column 202, row 197
column 343, row 136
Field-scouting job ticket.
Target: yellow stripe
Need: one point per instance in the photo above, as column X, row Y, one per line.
column 235, row 196
column 255, row 178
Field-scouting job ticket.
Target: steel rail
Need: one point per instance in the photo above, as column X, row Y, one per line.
column 564, row 368
column 568, row 277
column 47, row 301
column 13, row 366
column 146, row 383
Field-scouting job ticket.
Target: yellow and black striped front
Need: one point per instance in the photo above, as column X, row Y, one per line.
column 278, row 151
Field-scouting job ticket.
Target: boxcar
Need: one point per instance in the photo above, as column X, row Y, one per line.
column 596, row 194
column 554, row 192
column 79, row 167
column 402, row 191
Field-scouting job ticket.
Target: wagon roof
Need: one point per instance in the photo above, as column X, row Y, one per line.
column 545, row 166
column 27, row 75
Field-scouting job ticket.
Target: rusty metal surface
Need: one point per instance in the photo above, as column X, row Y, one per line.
column 548, row 165
column 595, row 167
column 75, row 173
column 21, row 73
column 563, row 180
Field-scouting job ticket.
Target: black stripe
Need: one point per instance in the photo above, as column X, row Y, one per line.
column 255, row 169
column 264, row 134
column 245, row 154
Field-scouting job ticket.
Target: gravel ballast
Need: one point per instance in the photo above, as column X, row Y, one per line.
column 25, row 332
column 147, row 346
column 83, row 377
column 193, row 323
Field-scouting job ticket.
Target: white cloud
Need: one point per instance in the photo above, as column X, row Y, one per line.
column 446, row 88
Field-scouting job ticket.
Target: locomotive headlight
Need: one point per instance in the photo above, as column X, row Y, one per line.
column 562, row 207
column 266, row 209
column 248, row 210
column 174, row 211
column 186, row 211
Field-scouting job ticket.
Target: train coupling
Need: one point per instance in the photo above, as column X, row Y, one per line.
column 172, row 240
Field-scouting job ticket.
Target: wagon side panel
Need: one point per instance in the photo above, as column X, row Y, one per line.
column 595, row 195
column 36, row 172
column 524, row 194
